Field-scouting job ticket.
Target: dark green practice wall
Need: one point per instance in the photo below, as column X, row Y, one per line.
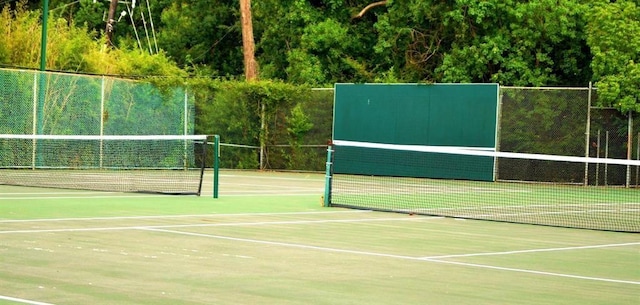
column 416, row 114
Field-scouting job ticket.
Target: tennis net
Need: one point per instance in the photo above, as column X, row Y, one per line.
column 466, row 183
column 153, row 164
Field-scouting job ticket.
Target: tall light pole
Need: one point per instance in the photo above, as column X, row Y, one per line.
column 43, row 37
column 39, row 111
column 43, row 67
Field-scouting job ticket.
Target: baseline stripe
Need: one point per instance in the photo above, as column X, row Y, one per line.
column 180, row 216
column 262, row 223
column 226, row 194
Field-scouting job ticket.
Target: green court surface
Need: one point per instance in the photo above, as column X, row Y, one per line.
column 269, row 240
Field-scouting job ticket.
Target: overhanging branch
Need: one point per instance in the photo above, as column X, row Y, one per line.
column 368, row 7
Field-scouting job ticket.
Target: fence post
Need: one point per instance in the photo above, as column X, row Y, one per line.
column 598, row 156
column 34, row 118
column 263, row 133
column 496, row 161
column 638, row 158
column 216, row 165
column 42, row 86
column 606, row 156
column 587, row 133
column 102, row 117
column 629, row 148
column 185, row 130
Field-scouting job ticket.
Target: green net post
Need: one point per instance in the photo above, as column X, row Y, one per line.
column 216, row 164
column 327, row 184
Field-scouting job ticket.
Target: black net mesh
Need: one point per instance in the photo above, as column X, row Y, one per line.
column 451, row 182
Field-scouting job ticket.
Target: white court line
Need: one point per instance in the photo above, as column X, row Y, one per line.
column 326, row 249
column 533, row 251
column 271, row 189
column 319, row 179
column 164, row 228
column 64, row 193
column 262, row 194
column 253, row 185
column 261, row 223
column 3, row 297
column 180, row 216
column 203, row 195
column 82, row 197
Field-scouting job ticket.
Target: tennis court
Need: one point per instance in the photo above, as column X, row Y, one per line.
column 269, row 240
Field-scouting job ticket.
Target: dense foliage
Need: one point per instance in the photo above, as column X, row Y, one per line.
column 321, row 42
column 71, row 46
column 282, row 119
column 614, row 38
column 315, row 43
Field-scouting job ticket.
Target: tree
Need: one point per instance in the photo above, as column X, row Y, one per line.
column 315, row 42
column 88, row 13
column 71, row 47
column 536, row 43
column 320, row 42
column 614, row 38
column 368, row 7
column 203, row 34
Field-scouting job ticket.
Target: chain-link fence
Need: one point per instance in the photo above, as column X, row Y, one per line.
column 551, row 121
column 292, row 140
column 564, row 121
column 555, row 121
column 17, row 98
column 612, row 135
column 285, row 150
column 33, row 102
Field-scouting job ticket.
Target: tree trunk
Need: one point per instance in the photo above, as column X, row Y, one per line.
column 248, row 45
column 111, row 21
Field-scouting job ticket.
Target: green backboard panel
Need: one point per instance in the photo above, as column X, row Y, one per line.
column 461, row 115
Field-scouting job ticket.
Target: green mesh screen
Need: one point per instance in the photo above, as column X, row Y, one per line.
column 65, row 104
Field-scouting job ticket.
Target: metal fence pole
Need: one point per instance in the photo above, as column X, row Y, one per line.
column 496, row 164
column 587, row 133
column 263, row 134
column 606, row 156
column 185, row 126
column 598, row 156
column 102, row 117
column 638, row 158
column 216, row 165
column 629, row 148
